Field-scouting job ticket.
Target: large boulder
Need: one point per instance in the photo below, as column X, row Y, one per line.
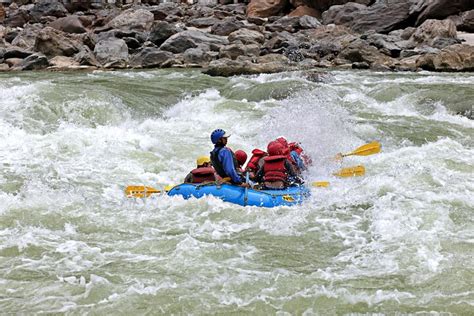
column 383, row 16
column 235, row 50
column 150, row 57
column 265, row 8
column 440, row 9
column 467, row 22
column 435, row 31
column 133, row 20
column 17, row 18
column 161, row 31
column 85, row 57
column 3, row 13
column 69, row 24
column 52, row 42
column 112, row 53
column 245, row 66
column 47, row 8
column 26, row 38
column 246, row 36
column 305, row 10
column 180, row 42
column 196, row 56
column 453, row 58
column 33, row 62
column 227, row 26
column 342, row 14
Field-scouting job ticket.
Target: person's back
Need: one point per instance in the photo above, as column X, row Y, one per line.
column 256, row 162
column 203, row 173
column 277, row 170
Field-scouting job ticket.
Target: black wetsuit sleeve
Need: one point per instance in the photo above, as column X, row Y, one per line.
column 189, row 178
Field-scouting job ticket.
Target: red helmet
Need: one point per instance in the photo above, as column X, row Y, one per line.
column 286, row 149
column 241, row 157
column 294, row 146
column 275, row 148
column 282, row 140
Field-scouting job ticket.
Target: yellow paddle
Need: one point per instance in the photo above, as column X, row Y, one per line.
column 364, row 150
column 320, row 184
column 140, row 191
column 356, row 171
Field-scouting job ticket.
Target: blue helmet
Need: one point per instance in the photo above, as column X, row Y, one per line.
column 218, row 134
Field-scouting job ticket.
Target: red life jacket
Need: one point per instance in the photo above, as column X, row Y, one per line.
column 203, row 174
column 257, row 154
column 274, row 168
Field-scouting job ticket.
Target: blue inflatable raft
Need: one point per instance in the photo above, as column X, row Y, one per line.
column 238, row 195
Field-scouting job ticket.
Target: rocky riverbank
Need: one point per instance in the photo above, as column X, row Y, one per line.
column 235, row 39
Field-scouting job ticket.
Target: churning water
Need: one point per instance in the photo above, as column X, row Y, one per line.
column 398, row 240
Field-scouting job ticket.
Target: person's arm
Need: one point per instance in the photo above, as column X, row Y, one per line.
column 298, row 160
column 228, row 164
column 259, row 176
column 189, row 178
column 292, row 176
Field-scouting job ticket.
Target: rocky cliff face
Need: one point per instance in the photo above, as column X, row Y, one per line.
column 265, row 36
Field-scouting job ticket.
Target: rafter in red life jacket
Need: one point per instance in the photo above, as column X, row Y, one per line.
column 274, row 168
column 257, row 154
column 203, row 174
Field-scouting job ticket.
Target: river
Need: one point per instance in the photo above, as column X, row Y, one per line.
column 398, row 240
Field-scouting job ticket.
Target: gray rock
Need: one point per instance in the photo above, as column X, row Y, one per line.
column 432, row 30
column 264, row 64
column 467, row 22
column 235, row 50
column 247, row 36
column 17, row 19
column 86, row 57
column 69, row 24
column 203, row 22
column 180, row 42
column 161, row 31
column 27, row 37
column 133, row 20
column 360, row 65
column 309, row 22
column 52, row 42
column 47, row 8
column 196, row 56
column 150, row 57
column 288, row 24
column 112, row 53
column 227, row 26
column 33, row 62
column 342, row 14
column 440, row 9
column 15, row 52
column 458, row 57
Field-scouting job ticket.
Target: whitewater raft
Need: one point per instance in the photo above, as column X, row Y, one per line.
column 238, row 195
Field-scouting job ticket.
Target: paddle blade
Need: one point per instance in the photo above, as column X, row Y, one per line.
column 365, row 150
column 320, row 184
column 356, row 171
column 139, row 191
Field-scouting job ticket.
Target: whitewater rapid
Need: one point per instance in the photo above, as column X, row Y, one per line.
column 400, row 239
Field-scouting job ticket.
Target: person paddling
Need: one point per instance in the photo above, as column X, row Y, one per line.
column 223, row 159
column 203, row 172
column 277, row 171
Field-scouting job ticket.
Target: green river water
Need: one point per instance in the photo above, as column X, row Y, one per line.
column 399, row 240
